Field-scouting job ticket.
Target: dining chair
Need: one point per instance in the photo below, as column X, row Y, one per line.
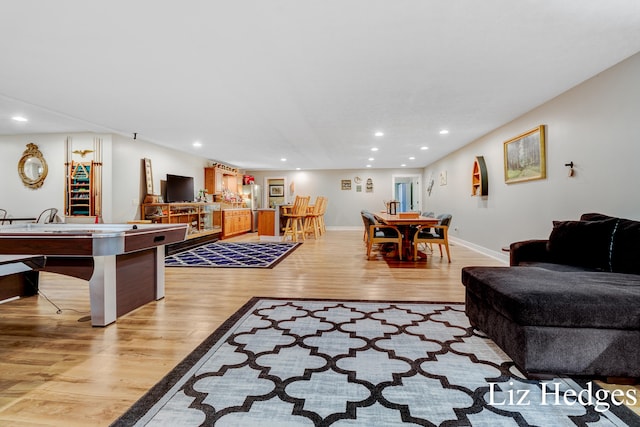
column 295, row 218
column 379, row 233
column 434, row 234
column 366, row 225
column 3, row 216
column 47, row 216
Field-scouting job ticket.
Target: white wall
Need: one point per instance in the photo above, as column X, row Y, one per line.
column 128, row 173
column 595, row 125
column 21, row 201
column 123, row 185
column 344, row 206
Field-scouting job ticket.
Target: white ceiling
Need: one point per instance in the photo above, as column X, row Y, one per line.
column 309, row 80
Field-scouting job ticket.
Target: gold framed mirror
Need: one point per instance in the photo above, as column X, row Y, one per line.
column 32, row 167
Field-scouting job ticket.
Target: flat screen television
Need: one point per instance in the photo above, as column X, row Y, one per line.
column 179, row 188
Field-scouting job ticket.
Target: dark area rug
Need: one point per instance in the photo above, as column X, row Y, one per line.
column 305, row 362
column 241, row 254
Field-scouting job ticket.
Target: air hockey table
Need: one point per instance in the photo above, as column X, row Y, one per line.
column 124, row 263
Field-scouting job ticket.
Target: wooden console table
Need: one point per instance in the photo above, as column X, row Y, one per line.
column 202, row 218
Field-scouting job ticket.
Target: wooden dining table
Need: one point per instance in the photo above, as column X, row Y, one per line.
column 404, row 221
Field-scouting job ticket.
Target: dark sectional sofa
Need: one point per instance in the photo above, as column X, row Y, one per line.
column 568, row 305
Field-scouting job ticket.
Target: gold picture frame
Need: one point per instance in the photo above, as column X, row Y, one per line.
column 524, row 156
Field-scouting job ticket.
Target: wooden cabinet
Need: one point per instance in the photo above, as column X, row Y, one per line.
column 266, row 222
column 479, row 178
column 213, row 180
column 203, row 218
column 235, row 221
column 80, row 191
column 220, row 177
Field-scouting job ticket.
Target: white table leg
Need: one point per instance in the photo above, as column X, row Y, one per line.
column 160, row 272
column 102, row 290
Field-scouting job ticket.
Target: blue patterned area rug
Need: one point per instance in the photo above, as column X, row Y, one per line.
column 241, row 254
column 357, row 363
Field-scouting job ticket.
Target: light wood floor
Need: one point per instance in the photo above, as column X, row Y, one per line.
column 55, row 369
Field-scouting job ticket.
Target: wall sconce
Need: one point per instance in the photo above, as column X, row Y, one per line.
column 570, row 166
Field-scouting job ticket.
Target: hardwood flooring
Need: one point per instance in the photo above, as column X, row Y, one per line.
column 55, row 369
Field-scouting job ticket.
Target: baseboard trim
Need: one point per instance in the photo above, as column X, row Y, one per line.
column 500, row 256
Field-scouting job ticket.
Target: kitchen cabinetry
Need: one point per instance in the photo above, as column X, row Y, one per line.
column 80, row 194
column 219, row 178
column 235, row 221
column 203, row 218
column 266, row 222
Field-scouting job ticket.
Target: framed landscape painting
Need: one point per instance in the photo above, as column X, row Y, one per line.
column 524, row 157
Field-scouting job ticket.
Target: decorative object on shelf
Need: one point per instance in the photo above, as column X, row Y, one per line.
column 524, row 156
column 346, row 184
column 225, row 167
column 479, row 178
column 369, row 185
column 32, row 167
column 571, row 171
column 82, row 153
column 276, row 190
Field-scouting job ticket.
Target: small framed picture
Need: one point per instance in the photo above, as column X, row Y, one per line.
column 276, row 190
column 346, row 184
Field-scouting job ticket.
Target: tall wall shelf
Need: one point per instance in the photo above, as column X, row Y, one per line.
column 80, row 199
column 479, row 178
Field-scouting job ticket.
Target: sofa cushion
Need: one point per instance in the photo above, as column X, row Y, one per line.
column 540, row 297
column 582, row 243
column 625, row 245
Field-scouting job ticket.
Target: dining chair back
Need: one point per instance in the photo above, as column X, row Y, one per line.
column 379, row 233
column 3, row 216
column 47, row 216
column 434, row 234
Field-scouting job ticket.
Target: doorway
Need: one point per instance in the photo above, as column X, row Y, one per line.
column 407, row 190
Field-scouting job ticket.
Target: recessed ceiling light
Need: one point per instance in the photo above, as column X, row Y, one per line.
column 283, row 159
column 374, row 149
column 444, row 132
column 412, row 158
column 424, row 148
column 368, row 166
column 19, row 119
column 197, row 144
column 403, row 165
column 379, row 133
column 371, row 159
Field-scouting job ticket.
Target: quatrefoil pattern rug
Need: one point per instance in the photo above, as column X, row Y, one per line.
column 341, row 363
column 241, row 254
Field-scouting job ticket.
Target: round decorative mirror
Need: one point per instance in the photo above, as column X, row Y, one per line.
column 32, row 167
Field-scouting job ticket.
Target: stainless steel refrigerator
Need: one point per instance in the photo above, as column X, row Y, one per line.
column 252, row 196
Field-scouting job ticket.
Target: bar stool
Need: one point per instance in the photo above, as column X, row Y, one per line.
column 295, row 218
